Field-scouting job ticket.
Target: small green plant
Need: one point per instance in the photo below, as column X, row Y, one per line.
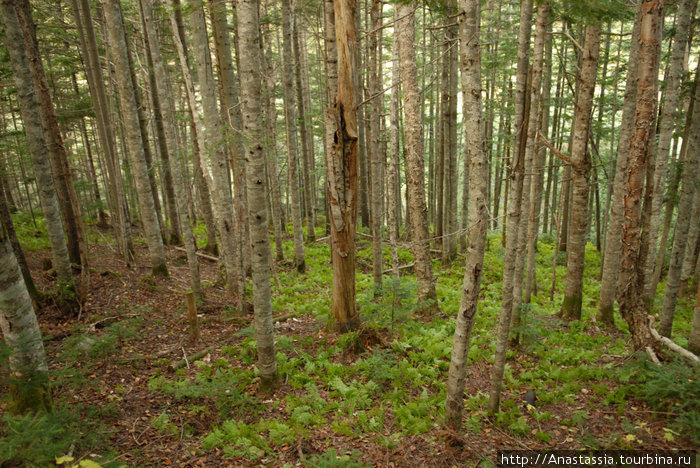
column 331, row 459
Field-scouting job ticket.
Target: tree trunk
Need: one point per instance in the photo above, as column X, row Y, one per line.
column 249, row 72
column 580, row 169
column 450, row 223
column 668, row 123
column 216, row 148
column 415, row 168
column 168, row 119
column 29, row 109
column 683, row 220
column 516, row 190
column 292, row 146
column 478, row 210
column 305, row 128
column 9, row 228
column 393, row 195
column 29, row 387
column 632, row 305
column 374, row 153
column 611, row 258
column 231, row 114
column 117, row 39
column 63, row 180
column 539, row 149
column 342, row 160
column 88, row 43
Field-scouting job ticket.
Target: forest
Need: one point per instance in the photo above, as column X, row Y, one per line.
column 341, row 233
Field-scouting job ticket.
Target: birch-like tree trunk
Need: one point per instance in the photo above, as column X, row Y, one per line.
column 374, row 153
column 611, row 256
column 668, row 123
column 215, row 147
column 683, row 220
column 164, row 93
column 694, row 338
column 630, row 296
column 62, row 174
column 88, row 45
column 29, row 109
column 580, row 170
column 29, row 387
column 392, row 193
column 292, row 145
column 529, row 183
column 231, row 112
column 478, row 209
column 415, row 167
column 249, row 72
column 342, row 159
column 129, row 111
column 515, row 177
column 451, row 176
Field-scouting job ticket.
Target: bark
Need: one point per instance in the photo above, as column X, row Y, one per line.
column 692, row 242
column 271, row 155
column 632, row 305
column 478, row 210
column 292, row 145
column 88, row 44
column 29, row 384
column 306, row 97
column 374, row 153
column 29, row 110
column 683, row 221
column 515, row 195
column 231, row 112
column 8, row 226
column 539, row 149
column 694, row 338
column 129, row 112
column 580, row 169
column 611, row 259
column 172, row 147
column 393, row 195
column 249, row 60
column 529, row 184
column 215, row 147
column 450, row 223
column 668, row 123
column 415, row 167
column 174, row 235
column 304, row 120
column 63, row 179
column 342, row 159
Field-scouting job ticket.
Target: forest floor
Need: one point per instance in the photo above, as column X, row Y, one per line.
column 369, row 398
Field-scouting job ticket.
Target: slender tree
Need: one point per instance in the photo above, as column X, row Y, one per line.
column 415, row 167
column 249, row 37
column 478, row 209
column 129, row 112
column 580, row 169
column 341, row 160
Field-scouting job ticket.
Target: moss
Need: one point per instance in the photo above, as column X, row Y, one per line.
column 605, row 315
column 571, row 307
column 160, row 270
column 301, row 267
column 28, row 395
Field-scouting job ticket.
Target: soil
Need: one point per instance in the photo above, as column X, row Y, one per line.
column 163, row 340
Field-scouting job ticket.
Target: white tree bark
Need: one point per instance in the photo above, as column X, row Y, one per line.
column 478, row 209
column 29, row 110
column 129, row 111
column 249, row 60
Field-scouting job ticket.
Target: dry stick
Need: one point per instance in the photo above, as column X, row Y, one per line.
column 402, row 267
column 203, row 255
column 671, row 344
column 192, row 317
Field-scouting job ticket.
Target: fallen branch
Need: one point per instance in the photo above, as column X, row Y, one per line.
column 200, row 254
column 652, row 356
column 183, row 362
column 402, row 267
column 674, row 347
